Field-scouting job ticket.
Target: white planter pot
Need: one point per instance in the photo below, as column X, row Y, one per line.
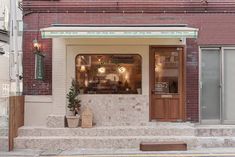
column 73, row 121
column 70, row 113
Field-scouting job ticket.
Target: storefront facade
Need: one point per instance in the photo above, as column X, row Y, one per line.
column 133, row 67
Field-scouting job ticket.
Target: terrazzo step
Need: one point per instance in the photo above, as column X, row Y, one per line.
column 3, row 143
column 115, row 142
column 109, row 131
column 215, row 130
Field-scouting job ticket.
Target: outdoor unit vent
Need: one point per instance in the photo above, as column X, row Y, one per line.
column 2, row 52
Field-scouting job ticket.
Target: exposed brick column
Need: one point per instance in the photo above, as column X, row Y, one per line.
column 31, row 32
column 192, row 74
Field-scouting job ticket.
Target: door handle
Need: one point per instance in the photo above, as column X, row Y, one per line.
column 200, row 84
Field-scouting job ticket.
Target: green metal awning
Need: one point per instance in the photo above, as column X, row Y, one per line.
column 119, row 32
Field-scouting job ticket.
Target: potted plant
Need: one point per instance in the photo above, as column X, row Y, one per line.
column 74, row 105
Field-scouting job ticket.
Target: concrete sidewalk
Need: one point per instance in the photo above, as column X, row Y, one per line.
column 218, row 152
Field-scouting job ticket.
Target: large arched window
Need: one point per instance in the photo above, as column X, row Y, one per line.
column 108, row 73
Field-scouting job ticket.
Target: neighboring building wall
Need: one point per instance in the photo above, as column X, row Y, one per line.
column 214, row 29
column 4, row 14
column 4, row 74
column 4, row 85
column 4, row 95
column 13, row 70
column 4, row 60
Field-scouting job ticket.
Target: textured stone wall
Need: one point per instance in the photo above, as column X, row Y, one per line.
column 111, row 110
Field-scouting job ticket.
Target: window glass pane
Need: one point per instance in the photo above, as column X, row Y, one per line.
column 109, row 74
column 210, row 91
column 229, row 87
column 166, row 70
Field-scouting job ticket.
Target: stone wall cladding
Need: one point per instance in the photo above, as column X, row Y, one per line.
column 115, row 110
column 111, row 110
column 214, row 29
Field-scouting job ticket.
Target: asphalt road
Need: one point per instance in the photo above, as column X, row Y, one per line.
column 133, row 155
column 216, row 152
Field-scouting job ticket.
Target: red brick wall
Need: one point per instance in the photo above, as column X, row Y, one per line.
column 192, row 77
column 215, row 29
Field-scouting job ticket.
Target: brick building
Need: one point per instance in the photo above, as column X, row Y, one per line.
column 136, row 62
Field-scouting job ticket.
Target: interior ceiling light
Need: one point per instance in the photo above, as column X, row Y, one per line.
column 121, row 69
column 83, row 68
column 101, row 70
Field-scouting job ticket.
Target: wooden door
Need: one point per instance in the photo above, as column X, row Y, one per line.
column 166, row 84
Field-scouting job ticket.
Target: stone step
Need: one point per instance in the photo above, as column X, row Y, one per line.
column 215, row 130
column 109, row 131
column 115, row 142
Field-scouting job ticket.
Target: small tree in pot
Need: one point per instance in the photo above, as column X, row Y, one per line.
column 74, row 105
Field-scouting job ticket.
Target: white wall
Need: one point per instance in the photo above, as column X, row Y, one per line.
column 4, row 81
column 37, row 109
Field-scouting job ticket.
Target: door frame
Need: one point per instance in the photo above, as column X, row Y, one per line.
column 151, row 69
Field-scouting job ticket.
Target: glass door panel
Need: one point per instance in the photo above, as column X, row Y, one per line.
column 229, row 86
column 166, row 72
column 210, row 84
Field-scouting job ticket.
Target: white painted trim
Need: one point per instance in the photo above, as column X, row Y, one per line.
column 119, row 32
column 119, row 29
column 228, row 48
column 229, row 122
column 210, row 122
column 199, row 85
column 222, row 84
column 38, row 98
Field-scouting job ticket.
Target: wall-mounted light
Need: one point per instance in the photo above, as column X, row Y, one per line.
column 36, row 45
column 39, row 60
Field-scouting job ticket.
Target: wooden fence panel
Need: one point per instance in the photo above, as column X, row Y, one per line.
column 16, row 117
